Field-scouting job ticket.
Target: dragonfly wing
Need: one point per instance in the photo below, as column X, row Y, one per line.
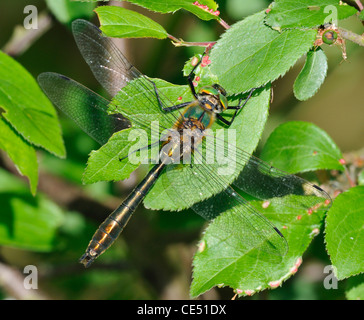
column 243, row 222
column 256, row 178
column 85, row 107
column 240, row 219
column 108, row 64
column 113, row 71
column 265, row 182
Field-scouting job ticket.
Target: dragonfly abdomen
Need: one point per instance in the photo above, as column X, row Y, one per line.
column 115, row 223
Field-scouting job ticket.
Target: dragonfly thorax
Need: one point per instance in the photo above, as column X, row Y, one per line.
column 181, row 141
column 213, row 98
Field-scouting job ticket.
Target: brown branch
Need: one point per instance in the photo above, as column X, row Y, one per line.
column 224, row 24
column 12, row 282
column 354, row 3
column 351, row 36
column 359, row 4
column 22, row 38
column 179, row 42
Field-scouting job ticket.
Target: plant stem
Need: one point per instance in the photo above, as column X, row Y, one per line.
column 359, row 4
column 351, row 36
column 180, row 42
column 22, row 38
column 354, row 3
column 224, row 24
column 351, row 181
column 12, row 282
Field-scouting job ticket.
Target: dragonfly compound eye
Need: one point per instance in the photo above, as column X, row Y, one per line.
column 220, row 89
column 208, row 90
column 223, row 102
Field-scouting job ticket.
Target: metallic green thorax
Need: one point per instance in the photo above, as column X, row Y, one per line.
column 194, row 111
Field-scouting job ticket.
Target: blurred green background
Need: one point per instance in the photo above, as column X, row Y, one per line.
column 152, row 259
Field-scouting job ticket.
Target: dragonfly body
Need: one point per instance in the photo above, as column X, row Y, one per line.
column 115, row 223
column 209, row 191
column 187, row 132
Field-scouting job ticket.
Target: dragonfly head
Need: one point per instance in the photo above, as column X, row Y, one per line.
column 213, row 98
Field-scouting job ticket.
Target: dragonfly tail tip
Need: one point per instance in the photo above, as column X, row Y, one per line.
column 87, row 259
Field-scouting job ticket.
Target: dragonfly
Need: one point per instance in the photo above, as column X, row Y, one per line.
column 219, row 195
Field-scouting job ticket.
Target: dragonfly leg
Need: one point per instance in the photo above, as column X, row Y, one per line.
column 177, row 106
column 190, row 79
column 171, row 108
column 181, row 105
column 156, row 94
column 236, row 108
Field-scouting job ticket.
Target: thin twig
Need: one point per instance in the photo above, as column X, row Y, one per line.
column 359, row 4
column 223, row 23
column 351, row 36
column 22, row 38
column 354, row 3
column 350, row 180
column 179, row 42
column 12, row 281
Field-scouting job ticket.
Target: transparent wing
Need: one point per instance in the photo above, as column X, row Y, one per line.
column 241, row 220
column 263, row 181
column 85, row 107
column 114, row 72
column 110, row 67
column 217, row 196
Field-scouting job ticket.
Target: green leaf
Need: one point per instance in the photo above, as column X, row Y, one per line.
column 311, row 76
column 105, row 164
column 251, row 54
column 306, row 13
column 68, row 10
column 361, row 15
column 122, row 23
column 172, row 6
column 355, row 288
column 26, row 222
column 196, row 7
column 248, row 127
column 203, row 75
column 298, row 146
column 20, row 152
column 223, row 260
column 361, row 178
column 27, row 108
column 345, row 234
